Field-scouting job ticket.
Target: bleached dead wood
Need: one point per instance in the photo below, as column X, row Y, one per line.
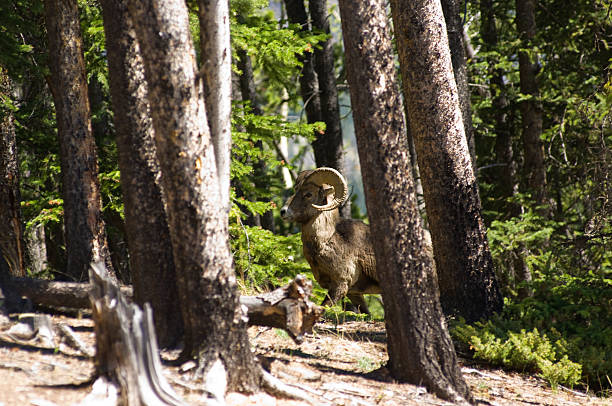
column 127, row 354
column 39, row 331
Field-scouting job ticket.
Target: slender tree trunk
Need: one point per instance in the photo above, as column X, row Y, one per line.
column 531, row 108
column 419, row 346
column 215, row 44
column 83, row 224
column 215, row 329
column 318, row 88
column 507, row 179
column 12, row 242
column 146, row 230
column 468, row 286
column 309, row 85
column 454, row 29
column 328, row 146
column 36, row 249
column 248, row 92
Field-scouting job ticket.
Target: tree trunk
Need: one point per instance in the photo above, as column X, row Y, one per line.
column 248, row 92
column 214, row 327
column 36, row 252
column 318, row 88
column 531, row 108
column 83, row 225
column 12, row 242
column 468, row 286
column 507, row 180
column 419, row 346
column 215, row 44
column 309, row 85
column 454, row 30
column 328, row 146
column 146, row 228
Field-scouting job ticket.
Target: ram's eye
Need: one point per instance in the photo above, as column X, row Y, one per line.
column 307, row 195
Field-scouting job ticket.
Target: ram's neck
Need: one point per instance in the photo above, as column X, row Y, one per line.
column 320, row 229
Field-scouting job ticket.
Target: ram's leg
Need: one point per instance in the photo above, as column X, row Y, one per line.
column 359, row 302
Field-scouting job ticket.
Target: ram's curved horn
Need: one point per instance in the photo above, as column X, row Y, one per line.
column 331, row 177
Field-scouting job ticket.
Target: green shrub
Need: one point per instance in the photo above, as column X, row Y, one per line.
column 264, row 260
column 525, row 351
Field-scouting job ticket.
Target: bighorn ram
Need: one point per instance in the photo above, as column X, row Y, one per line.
column 338, row 250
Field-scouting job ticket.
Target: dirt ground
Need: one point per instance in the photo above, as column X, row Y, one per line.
column 336, row 365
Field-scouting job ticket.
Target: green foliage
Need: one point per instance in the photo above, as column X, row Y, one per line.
column 566, row 322
column 523, row 351
column 110, row 188
column 264, row 260
column 564, row 331
column 274, row 49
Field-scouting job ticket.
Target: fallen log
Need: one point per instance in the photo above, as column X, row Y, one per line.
column 57, row 294
column 287, row 307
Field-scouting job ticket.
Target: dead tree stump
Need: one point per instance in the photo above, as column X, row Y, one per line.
column 127, row 354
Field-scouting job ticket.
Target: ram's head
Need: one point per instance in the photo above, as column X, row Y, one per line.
column 318, row 190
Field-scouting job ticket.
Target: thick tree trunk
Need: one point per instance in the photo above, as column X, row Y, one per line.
column 83, row 225
column 419, row 346
column 468, row 286
column 12, row 242
column 146, row 228
column 531, row 108
column 214, row 328
column 216, row 52
column 454, row 29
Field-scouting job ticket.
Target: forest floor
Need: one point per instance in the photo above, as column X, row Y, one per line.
column 339, row 364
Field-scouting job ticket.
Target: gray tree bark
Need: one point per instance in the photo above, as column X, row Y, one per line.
column 146, row 230
column 454, row 30
column 419, row 346
column 468, row 286
column 12, row 242
column 217, row 74
column 83, row 224
column 214, row 327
